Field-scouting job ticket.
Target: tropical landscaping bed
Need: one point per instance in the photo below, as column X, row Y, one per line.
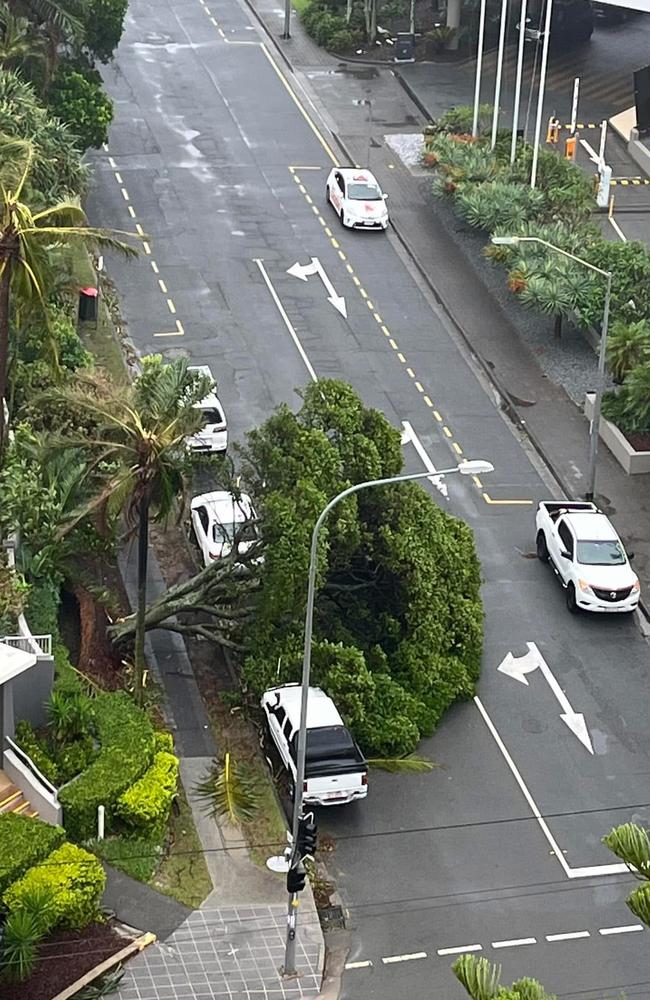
column 492, row 197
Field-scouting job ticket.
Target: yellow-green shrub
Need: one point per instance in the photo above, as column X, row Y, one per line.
column 163, row 741
column 73, row 879
column 146, row 804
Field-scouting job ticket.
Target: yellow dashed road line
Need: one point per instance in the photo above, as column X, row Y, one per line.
column 171, row 306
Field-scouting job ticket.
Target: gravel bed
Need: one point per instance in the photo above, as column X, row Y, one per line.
column 408, row 147
column 570, row 362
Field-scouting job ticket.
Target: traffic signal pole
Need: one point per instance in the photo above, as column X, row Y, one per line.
column 466, row 468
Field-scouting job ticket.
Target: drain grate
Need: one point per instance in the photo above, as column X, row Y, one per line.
column 332, row 918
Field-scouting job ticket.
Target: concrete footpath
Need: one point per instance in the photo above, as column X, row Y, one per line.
column 437, row 242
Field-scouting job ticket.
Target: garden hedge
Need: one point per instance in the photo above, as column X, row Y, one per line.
column 73, row 881
column 23, row 843
column 147, row 803
column 126, row 739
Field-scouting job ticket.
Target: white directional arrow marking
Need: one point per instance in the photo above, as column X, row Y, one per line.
column 303, row 271
column 518, row 666
column 410, row 437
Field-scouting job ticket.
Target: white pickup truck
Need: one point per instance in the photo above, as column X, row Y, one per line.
column 588, row 557
column 335, row 769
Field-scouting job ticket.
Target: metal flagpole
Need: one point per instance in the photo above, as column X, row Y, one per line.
column 497, row 85
column 542, row 88
column 479, row 66
column 520, row 70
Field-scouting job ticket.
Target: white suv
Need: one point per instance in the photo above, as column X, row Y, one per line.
column 213, row 435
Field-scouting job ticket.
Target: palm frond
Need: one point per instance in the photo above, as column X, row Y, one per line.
column 631, row 844
column 479, row 977
column 230, row 793
column 412, row 764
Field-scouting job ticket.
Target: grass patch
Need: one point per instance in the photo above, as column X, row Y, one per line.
column 137, row 858
column 300, row 5
column 102, row 342
column 270, row 826
column 183, row 872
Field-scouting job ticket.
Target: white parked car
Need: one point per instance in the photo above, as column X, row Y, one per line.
column 335, row 769
column 588, row 557
column 218, row 518
column 213, row 435
column 357, row 198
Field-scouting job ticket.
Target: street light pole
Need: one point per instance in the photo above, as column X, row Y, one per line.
column 542, row 88
column 465, row 468
column 479, row 66
column 520, row 70
column 287, row 19
column 594, row 428
column 497, row 84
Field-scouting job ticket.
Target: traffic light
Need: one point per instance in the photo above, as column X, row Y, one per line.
column 553, row 130
column 307, row 833
column 296, row 878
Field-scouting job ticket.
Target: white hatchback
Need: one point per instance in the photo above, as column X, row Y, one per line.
column 219, row 519
column 357, row 198
column 213, row 435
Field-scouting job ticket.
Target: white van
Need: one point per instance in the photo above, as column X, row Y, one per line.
column 213, row 436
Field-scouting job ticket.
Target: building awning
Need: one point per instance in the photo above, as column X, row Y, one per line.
column 14, row 661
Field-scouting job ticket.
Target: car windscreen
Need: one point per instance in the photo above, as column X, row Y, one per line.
column 363, row 192
column 224, row 532
column 597, row 553
column 211, row 415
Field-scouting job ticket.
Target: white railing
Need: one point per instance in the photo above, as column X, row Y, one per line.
column 31, row 766
column 39, row 645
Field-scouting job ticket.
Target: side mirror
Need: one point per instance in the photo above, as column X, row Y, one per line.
column 630, row 556
column 565, row 554
column 385, row 197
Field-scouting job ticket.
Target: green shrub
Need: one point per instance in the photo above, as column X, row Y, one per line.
column 163, row 742
column 147, row 803
column 74, row 880
column 498, row 203
column 73, row 758
column 42, row 612
column 126, row 751
column 35, row 748
column 23, row 843
column 328, row 28
column 458, row 120
column 77, row 97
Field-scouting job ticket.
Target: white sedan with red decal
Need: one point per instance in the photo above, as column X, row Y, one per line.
column 357, row 198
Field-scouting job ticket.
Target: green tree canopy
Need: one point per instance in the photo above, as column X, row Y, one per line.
column 398, row 618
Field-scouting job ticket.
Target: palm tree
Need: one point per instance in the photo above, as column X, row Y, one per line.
column 631, row 844
column 142, row 429
column 61, row 21
column 27, row 236
column 628, row 345
column 482, row 980
column 19, row 42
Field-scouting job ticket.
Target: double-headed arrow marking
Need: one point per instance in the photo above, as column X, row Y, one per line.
column 303, row 271
column 519, row 666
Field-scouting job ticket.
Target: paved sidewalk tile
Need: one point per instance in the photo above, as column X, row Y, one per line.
column 233, row 952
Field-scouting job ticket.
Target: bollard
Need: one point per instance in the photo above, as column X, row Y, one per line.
column 101, row 812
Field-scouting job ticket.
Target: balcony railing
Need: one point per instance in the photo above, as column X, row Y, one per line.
column 39, row 645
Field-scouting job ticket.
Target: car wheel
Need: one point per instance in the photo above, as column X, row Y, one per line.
column 327, row 193
column 571, row 603
column 342, row 219
column 542, row 549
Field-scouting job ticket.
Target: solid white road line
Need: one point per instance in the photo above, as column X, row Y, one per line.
column 404, row 958
column 515, row 943
column 624, row 929
column 571, row 936
column 358, row 965
column 522, row 785
column 459, row 951
column 287, row 321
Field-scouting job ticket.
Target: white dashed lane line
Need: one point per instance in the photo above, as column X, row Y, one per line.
column 463, row 949
column 404, row 958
